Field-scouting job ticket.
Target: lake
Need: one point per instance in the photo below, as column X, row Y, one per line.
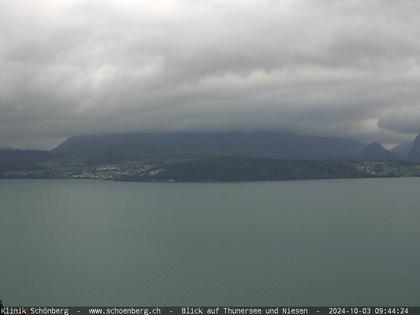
column 318, row 242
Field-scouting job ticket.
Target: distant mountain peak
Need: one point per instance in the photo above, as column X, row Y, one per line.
column 403, row 150
column 376, row 145
column 274, row 144
column 376, row 151
column 415, row 151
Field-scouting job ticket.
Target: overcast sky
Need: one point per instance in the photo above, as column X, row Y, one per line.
column 325, row 67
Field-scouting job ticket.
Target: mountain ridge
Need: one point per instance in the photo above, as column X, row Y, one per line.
column 256, row 144
column 207, row 156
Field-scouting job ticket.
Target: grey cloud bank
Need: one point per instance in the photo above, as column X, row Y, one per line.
column 345, row 68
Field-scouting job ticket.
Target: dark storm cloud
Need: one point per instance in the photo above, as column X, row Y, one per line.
column 348, row 68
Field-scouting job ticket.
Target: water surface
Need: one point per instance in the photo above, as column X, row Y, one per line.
column 79, row 242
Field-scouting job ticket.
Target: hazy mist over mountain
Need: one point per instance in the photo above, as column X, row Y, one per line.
column 324, row 68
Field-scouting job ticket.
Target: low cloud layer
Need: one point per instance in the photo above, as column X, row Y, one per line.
column 334, row 67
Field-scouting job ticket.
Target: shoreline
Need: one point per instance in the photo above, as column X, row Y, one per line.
column 206, row 181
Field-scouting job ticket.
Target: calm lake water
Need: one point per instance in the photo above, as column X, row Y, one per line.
column 69, row 242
